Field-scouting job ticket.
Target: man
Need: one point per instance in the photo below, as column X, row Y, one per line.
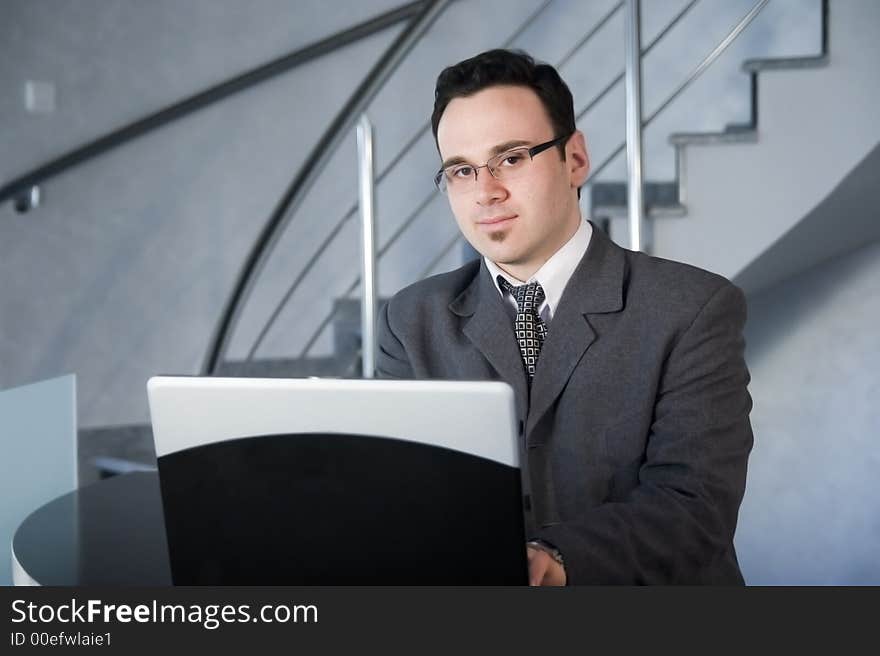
column 628, row 369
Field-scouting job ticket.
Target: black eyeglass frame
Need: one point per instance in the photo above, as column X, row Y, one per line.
column 534, row 150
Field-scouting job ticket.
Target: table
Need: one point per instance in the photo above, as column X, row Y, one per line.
column 108, row 533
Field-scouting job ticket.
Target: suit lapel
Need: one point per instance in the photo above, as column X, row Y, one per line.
column 482, row 309
column 595, row 287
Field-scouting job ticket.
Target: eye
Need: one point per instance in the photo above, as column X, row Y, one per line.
column 513, row 159
column 464, row 171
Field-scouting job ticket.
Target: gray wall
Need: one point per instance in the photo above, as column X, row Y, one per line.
column 811, row 514
column 123, row 271
column 112, row 61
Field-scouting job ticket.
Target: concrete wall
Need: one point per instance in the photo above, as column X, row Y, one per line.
column 123, row 271
column 113, row 61
column 811, row 514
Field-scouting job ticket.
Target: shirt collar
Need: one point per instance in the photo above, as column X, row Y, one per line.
column 554, row 274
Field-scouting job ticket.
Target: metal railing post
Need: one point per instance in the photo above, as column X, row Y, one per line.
column 633, row 83
column 367, row 204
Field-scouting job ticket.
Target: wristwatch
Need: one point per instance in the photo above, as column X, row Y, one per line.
column 548, row 548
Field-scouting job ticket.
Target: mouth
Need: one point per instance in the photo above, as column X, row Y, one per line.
column 496, row 222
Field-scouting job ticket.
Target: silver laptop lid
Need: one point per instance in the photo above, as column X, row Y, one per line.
column 339, row 482
column 476, row 418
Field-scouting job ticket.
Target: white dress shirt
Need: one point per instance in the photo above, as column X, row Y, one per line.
column 553, row 275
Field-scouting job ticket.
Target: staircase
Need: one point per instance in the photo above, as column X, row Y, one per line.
column 760, row 202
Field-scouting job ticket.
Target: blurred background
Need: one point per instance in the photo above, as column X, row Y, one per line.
column 179, row 186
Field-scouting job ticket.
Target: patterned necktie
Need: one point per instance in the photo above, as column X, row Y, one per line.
column 529, row 327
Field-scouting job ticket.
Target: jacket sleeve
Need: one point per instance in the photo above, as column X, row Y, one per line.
column 677, row 524
column 391, row 358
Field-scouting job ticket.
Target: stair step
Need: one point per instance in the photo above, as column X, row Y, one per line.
column 738, row 128
column 614, row 194
column 285, row 367
column 661, row 199
column 779, row 63
column 617, row 211
column 737, row 135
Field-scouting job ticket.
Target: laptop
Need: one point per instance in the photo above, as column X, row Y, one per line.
column 339, row 482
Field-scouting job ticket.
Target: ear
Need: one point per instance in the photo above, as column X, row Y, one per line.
column 577, row 159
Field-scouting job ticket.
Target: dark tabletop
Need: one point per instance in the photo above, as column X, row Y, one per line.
column 109, row 533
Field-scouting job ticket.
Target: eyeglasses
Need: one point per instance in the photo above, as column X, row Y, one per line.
column 505, row 166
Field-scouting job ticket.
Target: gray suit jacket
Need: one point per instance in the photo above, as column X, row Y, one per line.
column 636, row 432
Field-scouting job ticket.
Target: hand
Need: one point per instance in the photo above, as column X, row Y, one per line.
column 543, row 570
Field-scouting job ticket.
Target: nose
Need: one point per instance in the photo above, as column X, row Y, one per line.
column 488, row 188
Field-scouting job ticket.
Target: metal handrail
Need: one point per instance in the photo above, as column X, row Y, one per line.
column 647, row 49
column 711, row 57
column 635, row 185
column 316, row 161
column 699, row 70
column 368, row 212
column 589, row 35
column 433, row 195
column 334, row 232
column 207, row 97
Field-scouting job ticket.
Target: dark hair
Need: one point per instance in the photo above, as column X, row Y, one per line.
column 506, row 67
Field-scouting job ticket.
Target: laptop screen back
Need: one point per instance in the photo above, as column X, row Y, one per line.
column 339, row 482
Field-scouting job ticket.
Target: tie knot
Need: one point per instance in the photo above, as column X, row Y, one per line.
column 528, row 297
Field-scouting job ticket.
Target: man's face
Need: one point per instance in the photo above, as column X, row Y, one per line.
column 517, row 223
